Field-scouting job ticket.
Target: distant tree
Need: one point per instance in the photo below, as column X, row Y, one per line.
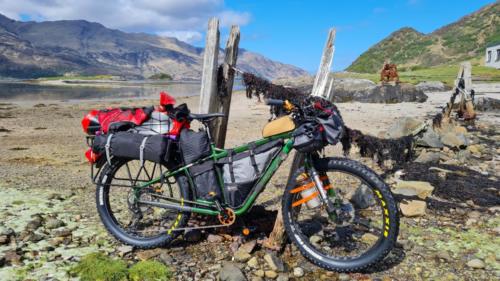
column 161, row 76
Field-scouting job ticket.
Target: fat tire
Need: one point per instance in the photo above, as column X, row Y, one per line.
column 364, row 261
column 113, row 227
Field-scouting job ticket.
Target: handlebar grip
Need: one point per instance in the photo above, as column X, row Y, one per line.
column 275, row 102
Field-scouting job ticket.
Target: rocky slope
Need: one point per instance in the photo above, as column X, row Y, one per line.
column 32, row 49
column 458, row 41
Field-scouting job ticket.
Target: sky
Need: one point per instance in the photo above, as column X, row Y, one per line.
column 292, row 32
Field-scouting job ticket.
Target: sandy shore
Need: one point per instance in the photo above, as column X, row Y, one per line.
column 42, row 152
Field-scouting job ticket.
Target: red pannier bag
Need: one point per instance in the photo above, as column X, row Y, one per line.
column 99, row 120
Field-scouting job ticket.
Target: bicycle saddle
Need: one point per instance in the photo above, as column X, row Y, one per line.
column 206, row 117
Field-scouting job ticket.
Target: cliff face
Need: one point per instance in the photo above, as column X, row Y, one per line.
column 31, row 49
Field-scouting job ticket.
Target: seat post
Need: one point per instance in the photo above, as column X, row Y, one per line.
column 207, row 129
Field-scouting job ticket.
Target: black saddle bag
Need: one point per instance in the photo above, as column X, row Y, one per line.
column 193, row 145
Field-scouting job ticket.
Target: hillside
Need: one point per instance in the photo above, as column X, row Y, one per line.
column 410, row 49
column 77, row 47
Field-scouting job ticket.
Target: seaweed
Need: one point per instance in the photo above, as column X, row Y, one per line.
column 458, row 185
column 399, row 150
column 257, row 87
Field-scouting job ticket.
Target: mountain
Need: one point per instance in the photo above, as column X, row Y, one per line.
column 464, row 39
column 50, row 48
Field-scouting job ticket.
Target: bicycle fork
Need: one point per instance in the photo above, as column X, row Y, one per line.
column 320, row 188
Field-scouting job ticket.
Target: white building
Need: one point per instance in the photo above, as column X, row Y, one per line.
column 493, row 55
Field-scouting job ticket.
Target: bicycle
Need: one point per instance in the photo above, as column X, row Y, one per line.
column 339, row 213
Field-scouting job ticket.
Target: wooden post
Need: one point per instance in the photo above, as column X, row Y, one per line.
column 223, row 99
column 449, row 105
column 277, row 237
column 208, row 90
column 321, row 81
column 329, row 93
column 465, row 105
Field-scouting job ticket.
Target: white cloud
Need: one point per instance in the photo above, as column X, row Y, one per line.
column 183, row 35
column 185, row 19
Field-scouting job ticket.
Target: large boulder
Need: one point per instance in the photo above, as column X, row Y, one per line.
column 487, row 104
column 430, row 139
column 388, row 93
column 361, row 90
column 350, row 89
column 403, row 127
column 432, row 86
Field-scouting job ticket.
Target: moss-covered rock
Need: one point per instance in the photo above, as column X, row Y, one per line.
column 97, row 266
column 149, row 271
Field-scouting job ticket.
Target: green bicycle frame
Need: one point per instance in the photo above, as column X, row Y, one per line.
column 209, row 207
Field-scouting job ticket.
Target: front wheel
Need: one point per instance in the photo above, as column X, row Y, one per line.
column 363, row 229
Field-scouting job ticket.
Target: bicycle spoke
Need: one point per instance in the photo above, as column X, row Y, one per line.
column 143, row 220
column 357, row 229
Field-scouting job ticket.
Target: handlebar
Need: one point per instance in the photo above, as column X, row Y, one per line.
column 275, row 102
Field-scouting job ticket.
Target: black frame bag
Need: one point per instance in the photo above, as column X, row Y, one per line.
column 205, row 182
column 240, row 171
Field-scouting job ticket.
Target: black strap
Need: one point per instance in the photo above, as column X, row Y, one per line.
column 252, row 158
column 231, row 170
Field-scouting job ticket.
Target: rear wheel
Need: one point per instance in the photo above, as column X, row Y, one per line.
column 365, row 226
column 142, row 226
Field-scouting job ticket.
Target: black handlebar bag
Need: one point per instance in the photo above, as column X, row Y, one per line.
column 315, row 134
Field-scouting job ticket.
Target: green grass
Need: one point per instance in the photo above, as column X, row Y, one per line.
column 149, row 271
column 77, row 77
column 445, row 74
column 98, row 266
column 161, row 76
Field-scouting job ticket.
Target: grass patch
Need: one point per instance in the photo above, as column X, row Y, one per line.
column 445, row 74
column 149, row 271
column 77, row 77
column 98, row 266
column 161, row 76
